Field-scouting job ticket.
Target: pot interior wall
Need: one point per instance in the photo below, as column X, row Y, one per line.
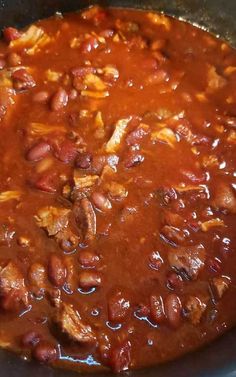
column 218, row 16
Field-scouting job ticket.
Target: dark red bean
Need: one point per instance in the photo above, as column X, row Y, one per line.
column 38, row 151
column 214, row 264
column 10, row 34
column 41, row 97
column 13, row 59
column 89, row 279
column 174, row 281
column 142, row 311
column 155, row 260
column 120, row 357
column 173, row 310
column 56, row 271
column 157, row 312
column 22, row 79
column 89, row 45
column 133, row 159
column 83, row 161
column 47, row 183
column 67, row 151
column 30, row 339
column 59, row 100
column 199, row 177
column 118, row 307
column 88, row 258
column 2, row 63
column 101, row 201
column 45, row 352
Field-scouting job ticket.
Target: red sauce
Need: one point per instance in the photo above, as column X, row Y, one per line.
column 117, row 191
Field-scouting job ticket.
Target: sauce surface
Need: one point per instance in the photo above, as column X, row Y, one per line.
column 117, row 190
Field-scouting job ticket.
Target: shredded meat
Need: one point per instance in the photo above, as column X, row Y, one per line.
column 52, row 219
column 224, row 198
column 71, row 323
column 195, row 309
column 12, row 286
column 86, row 218
column 189, row 260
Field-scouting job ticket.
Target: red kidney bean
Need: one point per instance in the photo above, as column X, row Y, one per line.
column 41, row 97
column 83, row 160
column 214, row 264
column 67, row 151
column 174, row 280
column 89, row 44
column 13, row 59
column 89, row 279
column 133, row 159
column 101, row 202
column 199, row 177
column 173, row 309
column 142, row 311
column 120, row 357
column 38, row 151
column 45, row 352
column 10, row 34
column 2, row 63
column 47, row 182
column 88, row 258
column 155, row 260
column 30, row 339
column 56, row 271
column 22, row 79
column 157, row 309
column 59, row 100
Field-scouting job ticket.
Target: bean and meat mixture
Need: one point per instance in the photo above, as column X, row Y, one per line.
column 117, row 190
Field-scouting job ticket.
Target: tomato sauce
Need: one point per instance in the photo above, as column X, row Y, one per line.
column 117, row 190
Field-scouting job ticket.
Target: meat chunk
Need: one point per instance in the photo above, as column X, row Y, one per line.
column 195, row 308
column 173, row 234
column 220, row 285
column 71, row 323
column 120, row 357
column 224, row 198
column 52, row 219
column 86, row 218
column 189, row 260
column 12, row 286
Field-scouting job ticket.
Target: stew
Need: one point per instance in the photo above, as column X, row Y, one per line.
column 117, row 190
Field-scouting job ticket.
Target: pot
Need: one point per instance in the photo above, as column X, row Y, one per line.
column 218, row 359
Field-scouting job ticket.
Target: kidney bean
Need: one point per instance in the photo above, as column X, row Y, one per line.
column 174, row 281
column 2, row 63
column 38, row 151
column 89, row 44
column 118, row 307
column 22, row 79
column 83, row 160
column 214, row 264
column 133, row 159
column 155, row 260
column 67, row 151
column 157, row 312
column 142, row 311
column 47, row 183
column 45, row 352
column 10, row 34
column 56, row 271
column 41, row 97
column 89, row 279
column 173, row 309
column 13, row 59
column 101, row 202
column 30, row 339
column 120, row 357
column 88, row 258
column 59, row 100
column 199, row 177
